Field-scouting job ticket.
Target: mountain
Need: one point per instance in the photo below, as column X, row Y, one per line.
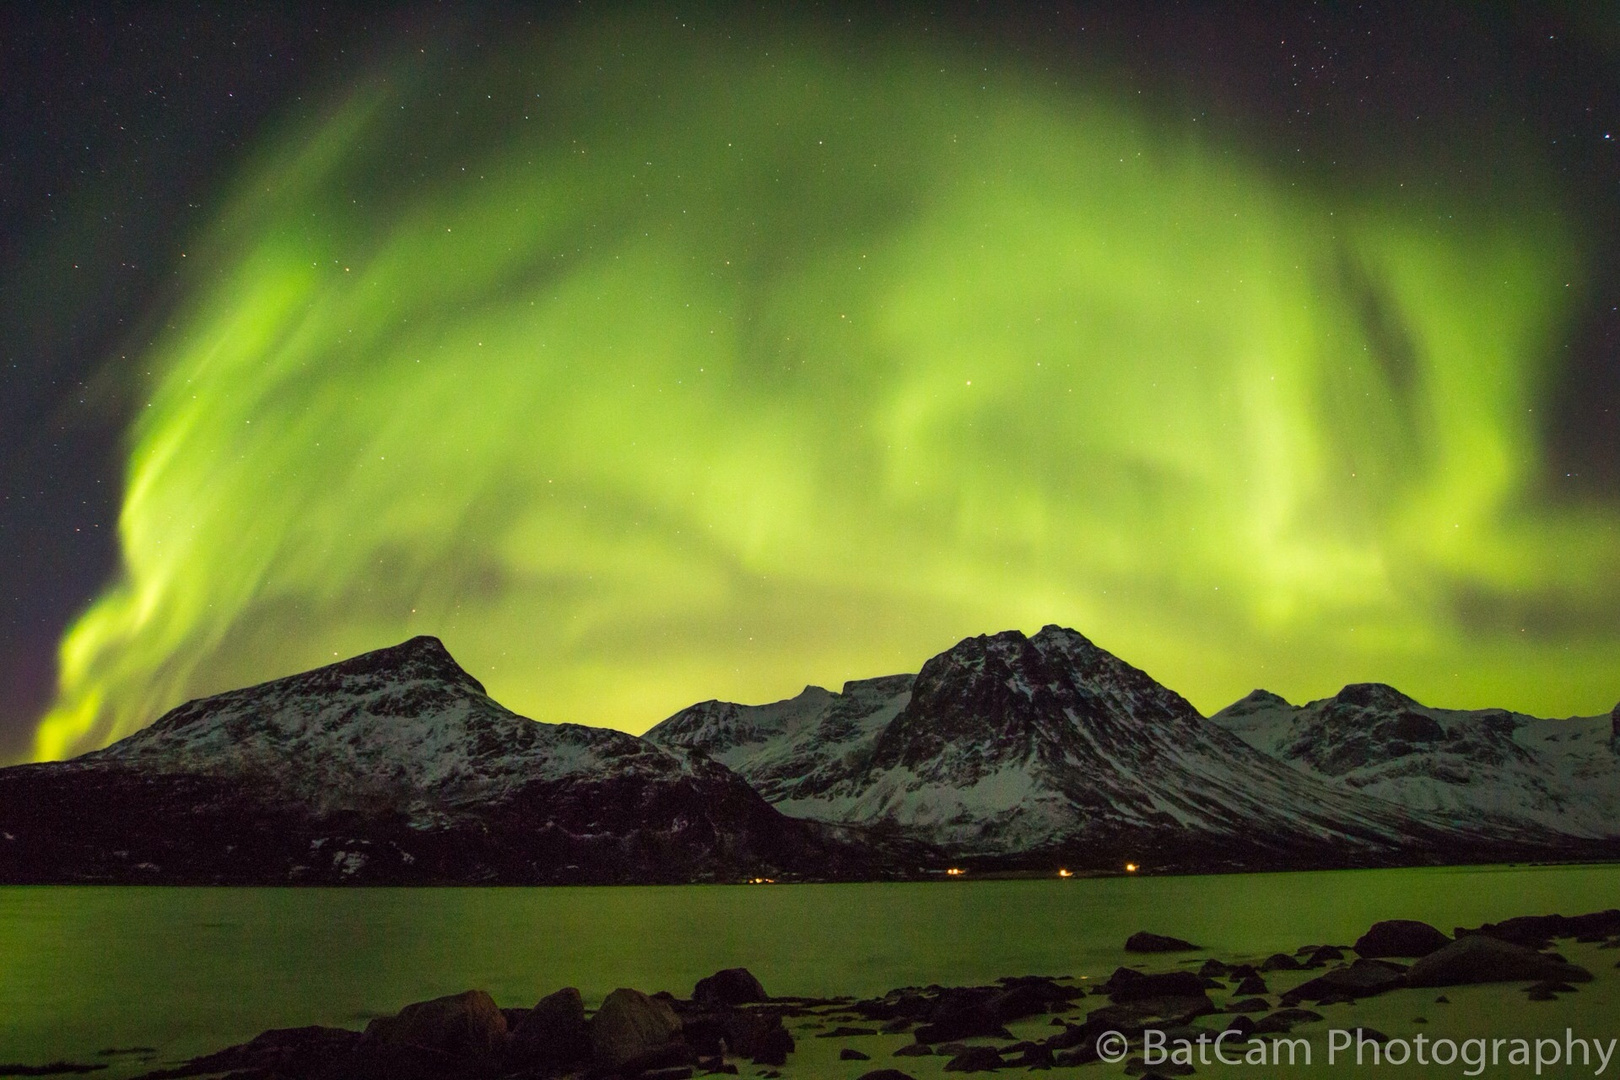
column 1467, row 767
column 1024, row 748
column 393, row 767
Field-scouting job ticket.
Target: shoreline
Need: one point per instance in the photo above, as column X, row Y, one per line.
column 1020, row 1021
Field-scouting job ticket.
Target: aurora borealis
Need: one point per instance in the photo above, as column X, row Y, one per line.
column 646, row 363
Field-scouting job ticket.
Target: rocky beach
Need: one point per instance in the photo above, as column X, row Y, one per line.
column 1496, row 996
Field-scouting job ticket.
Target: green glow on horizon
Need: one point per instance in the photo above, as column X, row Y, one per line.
column 646, row 369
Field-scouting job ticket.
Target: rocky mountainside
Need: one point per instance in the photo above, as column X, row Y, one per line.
column 393, row 766
column 1466, row 767
column 1009, row 746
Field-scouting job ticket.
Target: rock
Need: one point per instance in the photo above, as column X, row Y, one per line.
column 1478, row 958
column 1400, row 937
column 1280, row 962
column 1214, row 969
column 1243, row 1025
column 1033, row 1056
column 1537, row 931
column 975, row 1059
column 1165, row 984
column 632, row 1027
column 758, row 1036
column 897, row 1027
column 1254, row 984
column 1144, row 942
column 842, row 1032
column 1364, row 978
column 847, row 1054
column 1139, row 1067
column 1248, row 1005
column 468, row 1024
column 728, row 988
column 962, row 1013
column 1541, row 995
column 552, row 1035
column 304, row 1051
column 774, row 1047
column 915, row 1050
column 885, row 1074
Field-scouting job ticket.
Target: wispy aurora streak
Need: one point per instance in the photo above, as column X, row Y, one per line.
column 648, row 367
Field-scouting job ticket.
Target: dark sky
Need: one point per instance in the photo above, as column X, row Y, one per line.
column 120, row 123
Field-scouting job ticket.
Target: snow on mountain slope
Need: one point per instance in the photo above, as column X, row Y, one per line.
column 395, row 767
column 402, row 727
column 1466, row 767
column 1007, row 744
column 795, row 749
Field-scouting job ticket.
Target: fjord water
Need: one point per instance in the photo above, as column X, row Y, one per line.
column 188, row 970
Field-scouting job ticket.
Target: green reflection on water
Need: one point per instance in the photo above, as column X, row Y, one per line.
column 188, row 970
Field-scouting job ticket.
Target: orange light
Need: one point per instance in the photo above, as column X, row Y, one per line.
column 956, row 871
column 1065, row 873
column 1130, row 868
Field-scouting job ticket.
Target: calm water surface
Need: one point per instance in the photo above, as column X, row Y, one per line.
column 188, row 970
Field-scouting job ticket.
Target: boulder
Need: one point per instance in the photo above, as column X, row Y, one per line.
column 728, row 988
column 1166, row 984
column 631, row 1027
column 1144, row 942
column 1400, row 937
column 1280, row 962
column 468, row 1024
column 884, row 1074
column 851, row 1054
column 1251, row 985
column 1364, row 978
column 552, row 1035
column 975, row 1059
column 1480, row 958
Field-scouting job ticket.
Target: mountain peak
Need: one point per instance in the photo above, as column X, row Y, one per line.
column 1374, row 695
column 420, row 657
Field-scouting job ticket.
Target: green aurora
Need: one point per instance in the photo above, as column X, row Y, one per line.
column 645, row 367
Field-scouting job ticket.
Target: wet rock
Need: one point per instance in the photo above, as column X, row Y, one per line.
column 848, row 1054
column 728, row 988
column 1280, row 962
column 1254, row 984
column 1248, row 1005
column 1164, row 984
column 1032, row 1056
column 962, row 1013
column 758, row 1036
column 631, row 1027
column 773, row 1048
column 551, row 1036
column 1478, row 958
column 292, row 1052
column 468, row 1024
column 1400, row 937
column 1144, row 942
column 1364, row 978
column 975, row 1059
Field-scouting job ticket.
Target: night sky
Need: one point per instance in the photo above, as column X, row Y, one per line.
column 653, row 354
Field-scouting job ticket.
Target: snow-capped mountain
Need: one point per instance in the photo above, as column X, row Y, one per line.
column 392, row 766
column 1466, row 767
column 1009, row 744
